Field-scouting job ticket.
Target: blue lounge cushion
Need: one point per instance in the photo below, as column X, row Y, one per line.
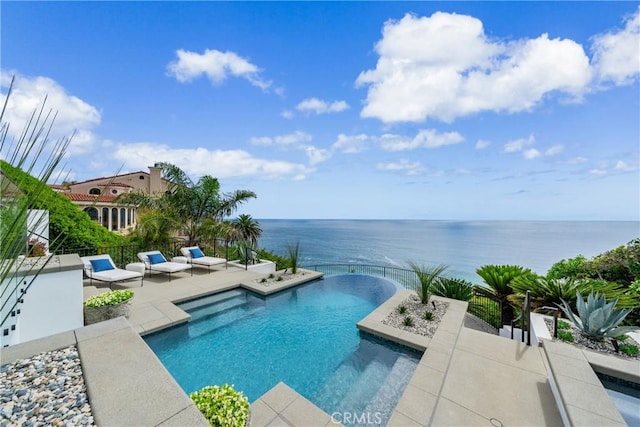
column 156, row 259
column 102, row 264
column 196, row 253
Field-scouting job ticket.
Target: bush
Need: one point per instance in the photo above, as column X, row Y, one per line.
column 428, row 315
column 407, row 321
column 222, row 405
column 109, row 298
column 69, row 226
column 565, row 336
column 562, row 325
column 629, row 349
column 402, row 309
column 453, row 288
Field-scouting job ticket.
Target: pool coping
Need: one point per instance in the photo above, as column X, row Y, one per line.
column 418, row 403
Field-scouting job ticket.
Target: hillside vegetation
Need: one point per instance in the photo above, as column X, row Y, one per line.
column 69, row 226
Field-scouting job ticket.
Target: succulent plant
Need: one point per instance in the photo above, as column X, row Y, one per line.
column 596, row 318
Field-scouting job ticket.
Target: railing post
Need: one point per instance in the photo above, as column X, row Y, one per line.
column 528, row 317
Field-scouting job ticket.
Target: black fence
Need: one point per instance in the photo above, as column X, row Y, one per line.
column 483, row 305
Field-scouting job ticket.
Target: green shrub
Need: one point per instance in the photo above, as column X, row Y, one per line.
column 407, row 321
column 629, row 349
column 109, row 298
column 402, row 309
column 222, row 405
column 565, row 336
column 279, row 279
column 428, row 315
column 427, row 277
column 562, row 325
column 69, row 226
column 453, row 288
column 263, row 280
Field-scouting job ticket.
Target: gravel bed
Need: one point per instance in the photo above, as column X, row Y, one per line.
column 582, row 341
column 415, row 311
column 270, row 281
column 45, row 390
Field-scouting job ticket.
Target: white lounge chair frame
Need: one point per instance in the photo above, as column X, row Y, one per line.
column 206, row 261
column 163, row 267
column 110, row 276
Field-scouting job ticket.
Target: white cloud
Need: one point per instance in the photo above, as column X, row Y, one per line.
column 425, row 138
column 316, row 155
column 598, row 171
column 297, row 140
column 444, row 66
column 616, row 55
column 518, row 145
column 318, row 106
column 287, row 114
column 406, row 166
column 351, row 144
column 482, row 144
column 577, row 160
column 294, row 138
column 531, row 153
column 216, row 65
column 72, row 115
column 624, row 166
column 201, row 161
column 553, row 150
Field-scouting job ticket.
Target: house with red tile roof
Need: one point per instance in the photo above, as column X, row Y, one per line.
column 98, row 197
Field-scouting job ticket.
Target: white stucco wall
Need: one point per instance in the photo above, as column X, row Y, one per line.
column 52, row 304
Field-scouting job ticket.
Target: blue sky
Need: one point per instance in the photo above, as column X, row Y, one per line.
column 416, row 110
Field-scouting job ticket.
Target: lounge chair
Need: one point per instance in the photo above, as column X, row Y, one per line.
column 195, row 256
column 103, row 269
column 155, row 261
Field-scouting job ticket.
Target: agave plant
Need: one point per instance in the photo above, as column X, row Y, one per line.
column 596, row 318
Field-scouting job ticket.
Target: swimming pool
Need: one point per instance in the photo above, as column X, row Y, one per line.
column 625, row 395
column 305, row 337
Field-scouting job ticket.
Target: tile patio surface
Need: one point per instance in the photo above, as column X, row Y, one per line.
column 465, row 377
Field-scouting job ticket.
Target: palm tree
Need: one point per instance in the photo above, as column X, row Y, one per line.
column 249, row 231
column 498, row 279
column 427, row 277
column 193, row 205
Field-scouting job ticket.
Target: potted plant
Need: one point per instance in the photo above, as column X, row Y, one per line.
column 222, row 406
column 107, row 305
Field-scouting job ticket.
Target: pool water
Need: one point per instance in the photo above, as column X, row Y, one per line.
column 626, row 397
column 305, row 337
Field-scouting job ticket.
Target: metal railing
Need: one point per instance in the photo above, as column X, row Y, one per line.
column 524, row 318
column 482, row 304
column 407, row 278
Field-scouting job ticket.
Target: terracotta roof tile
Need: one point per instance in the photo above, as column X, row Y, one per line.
column 79, row 197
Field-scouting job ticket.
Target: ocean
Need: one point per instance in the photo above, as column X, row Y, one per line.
column 462, row 245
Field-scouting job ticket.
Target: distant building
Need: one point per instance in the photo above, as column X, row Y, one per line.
column 97, row 197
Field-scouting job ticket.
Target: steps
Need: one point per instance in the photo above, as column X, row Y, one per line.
column 218, row 311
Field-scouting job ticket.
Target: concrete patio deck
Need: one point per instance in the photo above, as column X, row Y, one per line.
column 465, row 377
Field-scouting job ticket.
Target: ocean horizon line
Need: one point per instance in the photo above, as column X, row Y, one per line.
column 448, row 220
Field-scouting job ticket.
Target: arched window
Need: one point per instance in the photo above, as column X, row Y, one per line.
column 105, row 217
column 95, row 191
column 123, row 219
column 92, row 212
column 114, row 218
